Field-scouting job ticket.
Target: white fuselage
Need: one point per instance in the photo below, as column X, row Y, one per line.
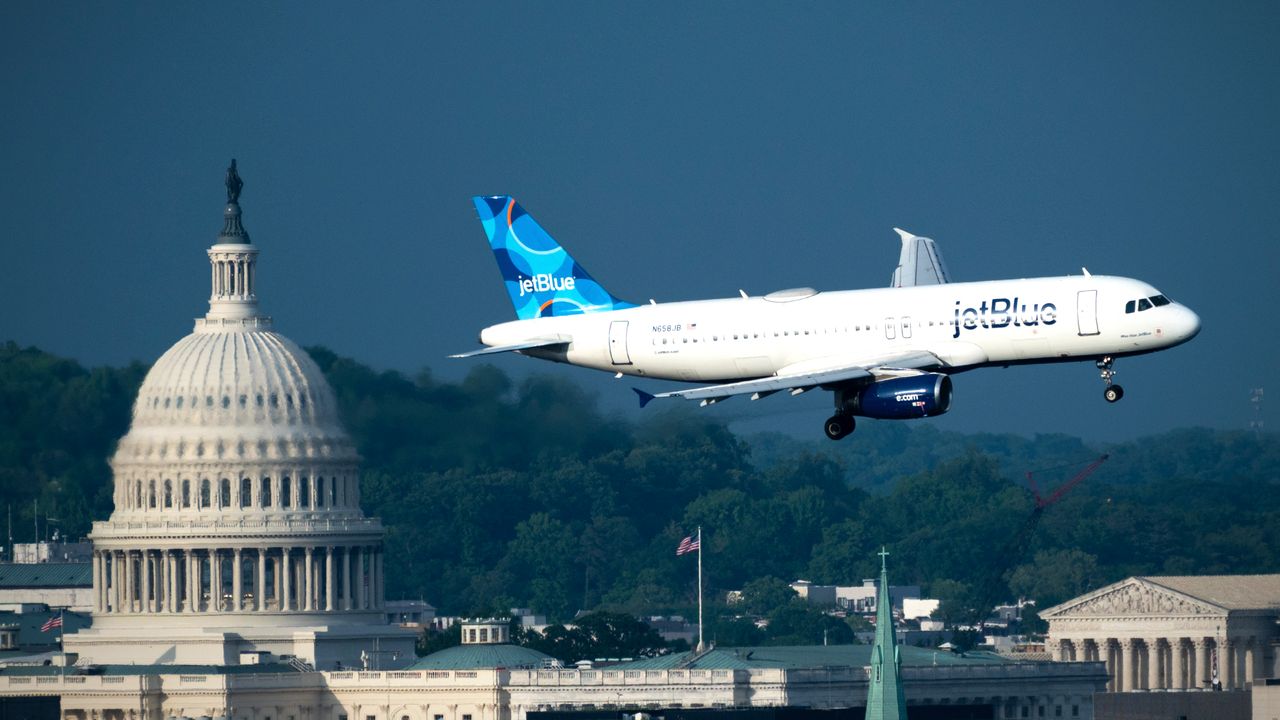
column 967, row 325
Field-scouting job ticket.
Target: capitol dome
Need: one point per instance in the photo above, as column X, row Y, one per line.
column 237, row 523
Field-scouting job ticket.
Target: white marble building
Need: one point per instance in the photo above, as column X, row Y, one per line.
column 237, row 522
column 1173, row 633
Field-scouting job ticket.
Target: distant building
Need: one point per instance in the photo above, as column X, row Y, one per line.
column 55, row 584
column 816, row 594
column 54, row 551
column 1173, row 632
column 862, row 598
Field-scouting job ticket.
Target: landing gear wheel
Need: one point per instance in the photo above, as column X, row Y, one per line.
column 838, row 426
column 1113, row 393
column 1106, row 369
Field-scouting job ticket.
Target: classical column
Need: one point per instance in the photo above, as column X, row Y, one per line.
column 1203, row 671
column 347, row 586
column 260, row 589
column 97, row 584
column 1177, row 678
column 1153, row 660
column 328, row 578
column 1129, row 665
column 1227, row 664
column 1250, row 661
column 380, row 591
column 311, row 581
column 277, row 582
column 1111, row 662
column 286, row 575
column 237, row 564
column 146, row 581
column 357, row 581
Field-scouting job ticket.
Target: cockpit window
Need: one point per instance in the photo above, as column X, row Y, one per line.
column 1159, row 300
column 1128, row 307
column 1144, row 304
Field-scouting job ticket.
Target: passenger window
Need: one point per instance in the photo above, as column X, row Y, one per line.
column 1128, row 307
column 1144, row 304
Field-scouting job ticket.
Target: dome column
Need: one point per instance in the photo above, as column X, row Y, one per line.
column 260, row 588
column 328, row 578
column 237, row 568
column 144, row 565
column 286, row 575
column 347, row 584
column 310, row 580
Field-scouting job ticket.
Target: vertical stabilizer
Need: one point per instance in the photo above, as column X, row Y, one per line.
column 541, row 278
column 920, row 262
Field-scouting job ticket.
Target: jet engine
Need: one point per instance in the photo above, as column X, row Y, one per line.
column 903, row 398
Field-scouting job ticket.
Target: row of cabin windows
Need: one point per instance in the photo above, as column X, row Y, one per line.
column 273, row 399
column 906, row 323
column 1146, row 304
column 327, row 492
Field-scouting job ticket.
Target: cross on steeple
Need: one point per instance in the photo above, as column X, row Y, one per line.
column 883, row 554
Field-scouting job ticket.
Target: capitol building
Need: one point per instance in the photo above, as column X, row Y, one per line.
column 237, row 525
column 238, row 579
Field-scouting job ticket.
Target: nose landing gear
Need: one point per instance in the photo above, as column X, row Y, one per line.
column 1113, row 392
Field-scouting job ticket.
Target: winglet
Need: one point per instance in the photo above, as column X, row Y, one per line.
column 644, row 396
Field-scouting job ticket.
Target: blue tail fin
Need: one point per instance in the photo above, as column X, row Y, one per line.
column 541, row 278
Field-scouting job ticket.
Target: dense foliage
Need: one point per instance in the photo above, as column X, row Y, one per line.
column 499, row 494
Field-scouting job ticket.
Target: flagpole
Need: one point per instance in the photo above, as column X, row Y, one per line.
column 700, row 645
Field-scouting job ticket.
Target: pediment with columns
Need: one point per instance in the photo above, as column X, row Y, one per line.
column 1133, row 597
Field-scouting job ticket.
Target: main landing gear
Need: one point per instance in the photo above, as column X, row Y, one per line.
column 1113, row 392
column 838, row 426
column 841, row 424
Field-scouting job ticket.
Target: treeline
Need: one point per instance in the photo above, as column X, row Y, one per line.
column 499, row 494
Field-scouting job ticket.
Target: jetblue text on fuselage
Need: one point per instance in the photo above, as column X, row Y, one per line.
column 1003, row 312
column 544, row 282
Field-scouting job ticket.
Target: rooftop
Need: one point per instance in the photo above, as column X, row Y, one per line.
column 805, row 656
column 469, row 657
column 46, row 575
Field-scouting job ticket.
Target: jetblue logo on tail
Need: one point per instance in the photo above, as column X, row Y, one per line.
column 1003, row 312
column 545, row 282
column 542, row 279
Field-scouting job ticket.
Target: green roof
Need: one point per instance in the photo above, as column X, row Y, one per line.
column 265, row 668
column 469, row 657
column 46, row 575
column 804, row 656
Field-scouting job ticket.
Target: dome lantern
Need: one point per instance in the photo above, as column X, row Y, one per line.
column 234, row 273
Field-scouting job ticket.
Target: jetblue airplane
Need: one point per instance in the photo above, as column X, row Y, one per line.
column 883, row 353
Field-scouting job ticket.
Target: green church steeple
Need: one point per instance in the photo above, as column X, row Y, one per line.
column 885, row 700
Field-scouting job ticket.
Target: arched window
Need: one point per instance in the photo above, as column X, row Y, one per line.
column 246, row 492
column 168, row 493
column 186, row 493
column 151, row 493
column 304, row 492
column 224, row 493
column 204, row 493
column 333, row 492
column 137, row 495
column 319, row 492
column 265, row 493
column 286, row 492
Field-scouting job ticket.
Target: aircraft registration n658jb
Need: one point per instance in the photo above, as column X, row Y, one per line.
column 885, row 353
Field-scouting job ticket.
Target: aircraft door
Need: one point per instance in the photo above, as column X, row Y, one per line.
column 889, row 328
column 1087, row 311
column 906, row 327
column 618, row 343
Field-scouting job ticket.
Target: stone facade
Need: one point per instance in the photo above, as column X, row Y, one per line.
column 1173, row 633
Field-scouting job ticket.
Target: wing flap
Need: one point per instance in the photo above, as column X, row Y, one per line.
column 811, row 374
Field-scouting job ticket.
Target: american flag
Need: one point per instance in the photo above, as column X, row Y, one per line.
column 51, row 623
column 688, row 545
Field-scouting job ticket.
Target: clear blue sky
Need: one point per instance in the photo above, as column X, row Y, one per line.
column 680, row 150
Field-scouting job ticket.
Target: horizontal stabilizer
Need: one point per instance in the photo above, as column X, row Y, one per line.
column 517, row 347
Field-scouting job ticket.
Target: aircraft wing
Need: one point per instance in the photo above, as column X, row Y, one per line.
column 805, row 376
column 527, row 345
